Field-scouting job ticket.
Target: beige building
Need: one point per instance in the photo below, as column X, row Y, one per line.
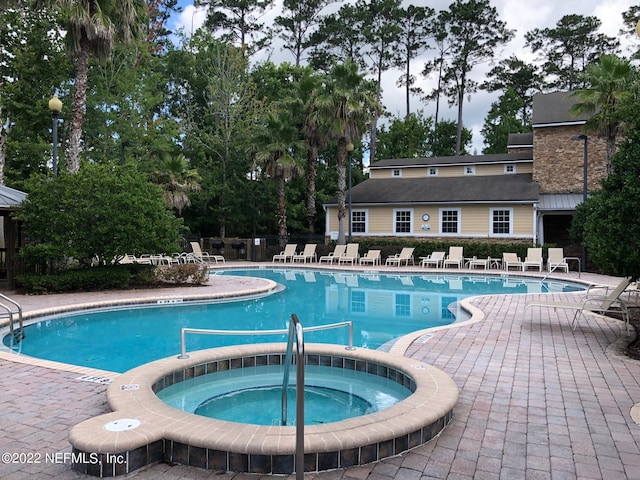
column 528, row 194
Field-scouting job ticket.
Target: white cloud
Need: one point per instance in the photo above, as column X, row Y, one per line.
column 519, row 15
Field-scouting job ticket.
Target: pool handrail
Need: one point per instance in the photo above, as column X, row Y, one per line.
column 204, row 331
column 17, row 334
column 296, row 331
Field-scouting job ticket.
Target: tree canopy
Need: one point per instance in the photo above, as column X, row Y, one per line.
column 102, row 212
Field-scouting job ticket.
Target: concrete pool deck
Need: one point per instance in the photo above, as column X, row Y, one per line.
column 536, row 399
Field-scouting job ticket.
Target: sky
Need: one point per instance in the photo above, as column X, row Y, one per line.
column 519, row 15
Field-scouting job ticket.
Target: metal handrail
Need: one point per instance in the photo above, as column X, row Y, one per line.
column 564, row 260
column 16, row 334
column 204, row 331
column 295, row 327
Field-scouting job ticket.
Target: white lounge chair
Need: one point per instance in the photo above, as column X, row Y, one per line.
column 556, row 260
column 351, row 254
column 593, row 302
column 511, row 260
column 205, row 256
column 372, row 257
column 309, row 253
column 287, row 254
column 406, row 256
column 335, row 255
column 433, row 260
column 483, row 263
column 455, row 257
column 533, row 259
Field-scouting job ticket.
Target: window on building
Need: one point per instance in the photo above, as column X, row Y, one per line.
column 470, row 170
column 403, row 222
column 444, row 307
column 450, row 221
column 501, row 221
column 359, row 221
column 432, row 172
column 403, row 305
column 510, row 168
column 358, row 301
column 396, row 172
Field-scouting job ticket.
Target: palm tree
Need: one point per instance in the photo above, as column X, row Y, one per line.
column 348, row 103
column 177, row 179
column 303, row 100
column 278, row 145
column 93, row 27
column 609, row 86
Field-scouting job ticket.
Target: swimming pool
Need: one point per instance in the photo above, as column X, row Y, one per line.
column 382, row 306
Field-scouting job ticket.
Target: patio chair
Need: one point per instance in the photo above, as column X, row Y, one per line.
column 455, row 257
column 287, row 254
column 406, row 256
column 483, row 263
column 335, row 255
column 204, row 256
column 594, row 303
column 533, row 259
column 433, row 260
column 372, row 257
column 556, row 260
column 309, row 253
column 351, row 254
column 511, row 260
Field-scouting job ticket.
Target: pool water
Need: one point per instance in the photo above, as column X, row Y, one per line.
column 382, row 307
column 254, row 395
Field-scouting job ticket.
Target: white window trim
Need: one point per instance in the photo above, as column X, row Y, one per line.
column 396, row 304
column 510, row 234
column 435, row 174
column 366, row 220
column 448, row 234
column 396, row 172
column 411, row 224
column 506, row 168
column 472, row 169
column 365, row 303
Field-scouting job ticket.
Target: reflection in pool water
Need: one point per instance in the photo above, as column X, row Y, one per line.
column 382, row 307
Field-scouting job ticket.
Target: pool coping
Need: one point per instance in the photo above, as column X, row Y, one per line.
column 166, row 433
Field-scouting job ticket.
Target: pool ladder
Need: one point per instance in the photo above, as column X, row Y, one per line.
column 12, row 310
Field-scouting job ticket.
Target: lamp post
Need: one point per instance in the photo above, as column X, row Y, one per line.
column 55, row 105
column 350, row 148
column 585, row 187
column 124, row 144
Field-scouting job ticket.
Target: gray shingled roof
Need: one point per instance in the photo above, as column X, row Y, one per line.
column 520, row 140
column 550, row 108
column 467, row 189
column 10, row 198
column 453, row 160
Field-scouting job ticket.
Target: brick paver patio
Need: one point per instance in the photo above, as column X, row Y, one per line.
column 537, row 401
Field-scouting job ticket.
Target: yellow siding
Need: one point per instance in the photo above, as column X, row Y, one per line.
column 475, row 220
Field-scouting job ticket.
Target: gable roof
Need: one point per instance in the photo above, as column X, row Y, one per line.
column 454, row 160
column 10, row 198
column 553, row 109
column 517, row 188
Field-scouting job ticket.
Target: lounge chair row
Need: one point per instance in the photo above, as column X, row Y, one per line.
column 349, row 254
column 195, row 256
column 533, row 261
